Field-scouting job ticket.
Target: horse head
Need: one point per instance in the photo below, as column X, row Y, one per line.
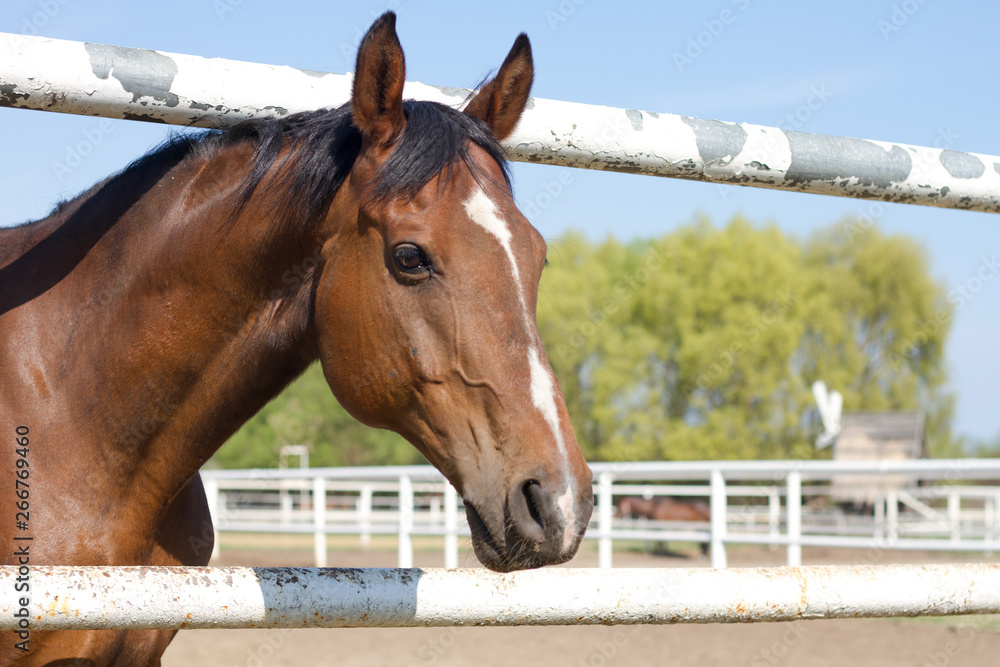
column 425, row 307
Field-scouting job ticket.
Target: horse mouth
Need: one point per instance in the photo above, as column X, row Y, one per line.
column 515, row 552
column 485, row 548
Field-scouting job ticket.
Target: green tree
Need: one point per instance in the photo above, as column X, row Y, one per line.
column 704, row 343
column 981, row 448
column 880, row 323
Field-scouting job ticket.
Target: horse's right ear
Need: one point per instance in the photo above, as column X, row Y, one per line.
column 379, row 75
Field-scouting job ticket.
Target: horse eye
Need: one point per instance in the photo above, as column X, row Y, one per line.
column 410, row 258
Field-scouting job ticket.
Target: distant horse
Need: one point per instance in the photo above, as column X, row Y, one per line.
column 143, row 322
column 663, row 508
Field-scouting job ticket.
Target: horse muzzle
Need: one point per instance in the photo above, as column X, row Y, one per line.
column 540, row 523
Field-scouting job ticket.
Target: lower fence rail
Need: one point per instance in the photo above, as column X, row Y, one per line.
column 76, row 598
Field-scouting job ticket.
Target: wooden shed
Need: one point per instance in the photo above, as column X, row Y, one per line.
column 876, row 436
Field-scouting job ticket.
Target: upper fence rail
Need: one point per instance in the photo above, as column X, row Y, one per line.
column 139, row 84
column 950, row 469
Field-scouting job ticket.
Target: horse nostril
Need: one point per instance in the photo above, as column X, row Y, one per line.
column 532, row 490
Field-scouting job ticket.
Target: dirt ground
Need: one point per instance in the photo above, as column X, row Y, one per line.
column 945, row 642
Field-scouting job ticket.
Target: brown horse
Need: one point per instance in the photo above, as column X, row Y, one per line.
column 143, row 322
column 664, row 508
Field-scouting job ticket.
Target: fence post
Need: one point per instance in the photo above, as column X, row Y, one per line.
column 774, row 516
column 303, row 496
column 955, row 515
column 990, row 504
column 285, row 503
column 405, row 521
column 435, row 518
column 717, row 505
column 605, row 516
column 996, row 520
column 212, row 497
column 365, row 515
column 319, row 521
column 879, row 518
column 450, row 525
column 793, row 502
column 892, row 515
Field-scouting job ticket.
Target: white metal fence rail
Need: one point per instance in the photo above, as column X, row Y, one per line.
column 416, row 501
column 66, row 598
column 140, row 84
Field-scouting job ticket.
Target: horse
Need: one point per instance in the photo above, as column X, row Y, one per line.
column 664, row 508
column 144, row 321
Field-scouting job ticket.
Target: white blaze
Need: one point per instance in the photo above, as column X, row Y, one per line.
column 483, row 212
column 543, row 395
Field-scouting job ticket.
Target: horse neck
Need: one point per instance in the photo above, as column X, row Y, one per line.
column 191, row 321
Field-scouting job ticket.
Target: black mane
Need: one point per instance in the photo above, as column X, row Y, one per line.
column 323, row 147
column 325, row 143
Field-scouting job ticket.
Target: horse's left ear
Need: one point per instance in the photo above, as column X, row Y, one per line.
column 379, row 75
column 500, row 102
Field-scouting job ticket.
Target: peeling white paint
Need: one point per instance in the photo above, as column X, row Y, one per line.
column 241, row 597
column 57, row 75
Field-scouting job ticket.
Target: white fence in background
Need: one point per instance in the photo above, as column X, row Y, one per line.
column 777, row 503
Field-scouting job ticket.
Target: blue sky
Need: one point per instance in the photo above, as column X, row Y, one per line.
column 916, row 71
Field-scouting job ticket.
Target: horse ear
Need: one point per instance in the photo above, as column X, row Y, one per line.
column 377, row 96
column 500, row 102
